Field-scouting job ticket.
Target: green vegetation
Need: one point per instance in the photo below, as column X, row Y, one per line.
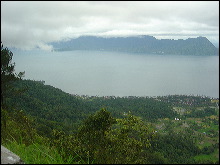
column 37, row 154
column 43, row 124
column 7, row 75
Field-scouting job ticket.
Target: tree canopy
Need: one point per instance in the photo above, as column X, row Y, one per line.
column 7, row 73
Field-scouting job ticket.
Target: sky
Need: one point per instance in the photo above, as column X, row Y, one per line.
column 34, row 24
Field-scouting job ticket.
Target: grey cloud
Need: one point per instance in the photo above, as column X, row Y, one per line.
column 36, row 23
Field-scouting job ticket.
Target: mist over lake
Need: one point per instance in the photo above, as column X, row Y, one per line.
column 121, row 74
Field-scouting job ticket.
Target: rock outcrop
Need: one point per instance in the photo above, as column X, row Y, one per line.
column 8, row 157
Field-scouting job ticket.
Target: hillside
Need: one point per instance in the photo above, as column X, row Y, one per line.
column 172, row 129
column 47, row 103
column 140, row 44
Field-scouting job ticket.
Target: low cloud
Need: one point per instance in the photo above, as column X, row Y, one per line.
column 33, row 24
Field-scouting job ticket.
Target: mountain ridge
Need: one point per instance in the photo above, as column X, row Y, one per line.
column 139, row 44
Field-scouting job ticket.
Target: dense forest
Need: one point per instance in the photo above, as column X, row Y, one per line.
column 100, row 130
column 145, row 127
column 140, row 44
column 53, row 104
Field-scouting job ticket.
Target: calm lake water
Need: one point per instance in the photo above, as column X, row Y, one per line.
column 121, row 74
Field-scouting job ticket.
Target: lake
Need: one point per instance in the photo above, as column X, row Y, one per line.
column 121, row 74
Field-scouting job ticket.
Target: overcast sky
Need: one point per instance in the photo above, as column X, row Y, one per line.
column 34, row 24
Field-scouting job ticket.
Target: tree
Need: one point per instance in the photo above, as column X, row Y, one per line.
column 108, row 140
column 7, row 73
column 7, row 78
column 92, row 135
column 131, row 141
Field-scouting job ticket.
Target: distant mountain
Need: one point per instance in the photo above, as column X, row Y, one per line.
column 140, row 44
column 216, row 44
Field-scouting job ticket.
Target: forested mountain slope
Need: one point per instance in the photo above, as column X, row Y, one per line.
column 131, row 129
column 50, row 103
